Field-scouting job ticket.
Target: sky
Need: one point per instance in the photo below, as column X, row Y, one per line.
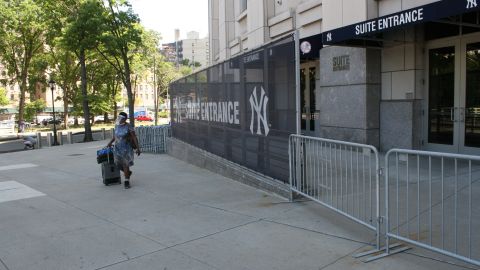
column 165, row 16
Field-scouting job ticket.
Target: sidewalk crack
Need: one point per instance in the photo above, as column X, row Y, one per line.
column 215, row 233
column 319, row 232
column 172, row 247
column 4, row 265
column 224, row 210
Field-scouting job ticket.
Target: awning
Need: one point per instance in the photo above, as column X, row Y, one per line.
column 58, row 109
column 421, row 14
column 8, row 111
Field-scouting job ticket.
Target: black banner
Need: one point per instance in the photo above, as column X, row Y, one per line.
column 430, row 12
column 242, row 110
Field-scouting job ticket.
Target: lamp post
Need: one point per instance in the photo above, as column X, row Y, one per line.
column 52, row 87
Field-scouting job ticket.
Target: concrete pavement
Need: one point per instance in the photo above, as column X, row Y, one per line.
column 56, row 214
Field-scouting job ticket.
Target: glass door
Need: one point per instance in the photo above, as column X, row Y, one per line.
column 442, row 91
column 469, row 110
column 308, row 98
column 453, row 95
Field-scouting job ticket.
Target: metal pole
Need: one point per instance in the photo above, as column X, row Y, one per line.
column 297, row 78
column 54, row 121
column 39, row 140
column 155, row 89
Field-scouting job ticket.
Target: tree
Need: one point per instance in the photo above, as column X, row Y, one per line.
column 3, row 97
column 33, row 108
column 187, row 63
column 22, row 24
column 81, row 35
column 66, row 71
column 165, row 74
column 120, row 42
column 104, row 86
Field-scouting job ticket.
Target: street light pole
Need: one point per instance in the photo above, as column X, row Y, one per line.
column 52, row 87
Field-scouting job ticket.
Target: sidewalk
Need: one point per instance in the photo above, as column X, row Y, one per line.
column 176, row 216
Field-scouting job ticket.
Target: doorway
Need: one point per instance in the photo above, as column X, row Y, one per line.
column 453, row 95
column 308, row 82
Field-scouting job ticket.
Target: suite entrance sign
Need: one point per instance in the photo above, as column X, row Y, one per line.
column 430, row 12
column 243, row 109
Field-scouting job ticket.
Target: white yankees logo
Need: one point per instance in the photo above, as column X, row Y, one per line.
column 471, row 3
column 329, row 37
column 260, row 109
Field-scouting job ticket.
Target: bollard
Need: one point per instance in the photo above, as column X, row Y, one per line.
column 49, row 139
column 60, row 138
column 104, row 135
column 39, row 140
column 112, row 132
column 70, row 137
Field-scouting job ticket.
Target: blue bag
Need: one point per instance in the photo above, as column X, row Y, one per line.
column 105, row 155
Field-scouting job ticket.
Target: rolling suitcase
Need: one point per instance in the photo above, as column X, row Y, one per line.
column 110, row 172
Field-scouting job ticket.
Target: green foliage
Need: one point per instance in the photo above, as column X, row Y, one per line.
column 22, row 38
column 104, row 84
column 98, row 42
column 3, row 97
column 84, row 27
column 33, row 108
column 163, row 114
column 185, row 71
column 187, row 63
column 121, row 39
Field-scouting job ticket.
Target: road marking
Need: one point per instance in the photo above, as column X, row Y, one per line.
column 13, row 190
column 18, row 166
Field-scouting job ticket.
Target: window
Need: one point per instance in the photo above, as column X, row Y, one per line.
column 12, row 97
column 243, row 5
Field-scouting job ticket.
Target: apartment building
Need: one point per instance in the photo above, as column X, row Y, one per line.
column 196, row 49
column 391, row 73
column 193, row 49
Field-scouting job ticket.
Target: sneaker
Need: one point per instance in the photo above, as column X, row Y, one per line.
column 126, row 184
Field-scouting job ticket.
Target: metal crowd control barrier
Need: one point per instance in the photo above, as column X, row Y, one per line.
column 341, row 176
column 153, row 139
column 432, row 201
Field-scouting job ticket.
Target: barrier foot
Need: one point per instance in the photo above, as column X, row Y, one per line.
column 380, row 253
column 374, row 251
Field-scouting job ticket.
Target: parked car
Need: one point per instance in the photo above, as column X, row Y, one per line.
column 143, row 118
column 50, row 121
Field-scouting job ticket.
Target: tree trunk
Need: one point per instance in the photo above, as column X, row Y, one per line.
column 115, row 112
column 128, row 85
column 65, row 108
column 23, row 90
column 86, row 110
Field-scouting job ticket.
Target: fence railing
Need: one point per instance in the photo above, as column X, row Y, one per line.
column 340, row 175
column 432, row 201
column 153, row 139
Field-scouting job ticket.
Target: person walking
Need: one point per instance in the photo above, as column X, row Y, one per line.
column 125, row 143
